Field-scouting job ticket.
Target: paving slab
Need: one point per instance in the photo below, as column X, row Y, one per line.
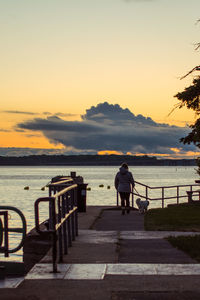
column 150, row 251
column 114, row 220
column 152, row 269
column 88, row 253
column 86, row 272
column 131, row 295
column 44, row 271
column 88, row 218
column 97, row 237
column 153, row 283
column 13, row 282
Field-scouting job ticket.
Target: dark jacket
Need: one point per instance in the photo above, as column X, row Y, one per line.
column 124, row 180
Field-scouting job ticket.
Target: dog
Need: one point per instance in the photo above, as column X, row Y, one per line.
column 142, row 205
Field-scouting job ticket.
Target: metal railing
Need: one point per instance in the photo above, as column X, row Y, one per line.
column 4, row 233
column 55, row 187
column 5, row 229
column 162, row 190
column 63, row 218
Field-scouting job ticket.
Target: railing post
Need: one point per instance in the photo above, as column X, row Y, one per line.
column 64, row 224
column 60, row 235
column 177, row 194
column 76, row 212
column 68, row 222
column 6, row 233
column 132, row 195
column 146, row 192
column 54, row 250
column 163, row 195
column 190, row 200
column 72, row 215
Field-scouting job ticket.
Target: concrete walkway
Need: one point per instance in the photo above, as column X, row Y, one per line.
column 113, row 258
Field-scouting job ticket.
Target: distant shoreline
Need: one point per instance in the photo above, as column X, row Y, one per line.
column 91, row 160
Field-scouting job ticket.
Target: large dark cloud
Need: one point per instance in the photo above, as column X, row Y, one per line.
column 109, row 127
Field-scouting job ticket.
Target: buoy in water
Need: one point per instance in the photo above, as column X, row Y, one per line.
column 88, row 189
column 43, row 188
column 101, row 185
column 26, row 188
column 108, row 187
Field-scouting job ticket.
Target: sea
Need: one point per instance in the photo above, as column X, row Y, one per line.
column 13, row 180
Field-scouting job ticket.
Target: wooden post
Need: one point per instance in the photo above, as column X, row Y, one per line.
column 189, row 196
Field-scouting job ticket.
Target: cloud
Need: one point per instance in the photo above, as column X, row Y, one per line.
column 108, row 127
column 19, row 130
column 59, row 114
column 4, row 130
column 15, row 151
column 19, row 112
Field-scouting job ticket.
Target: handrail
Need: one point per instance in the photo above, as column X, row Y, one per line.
column 163, row 189
column 67, row 189
column 37, row 217
column 167, row 186
column 63, row 219
column 50, row 200
column 6, row 229
column 177, row 196
column 60, row 182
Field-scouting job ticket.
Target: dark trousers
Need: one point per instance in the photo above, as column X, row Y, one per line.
column 124, row 199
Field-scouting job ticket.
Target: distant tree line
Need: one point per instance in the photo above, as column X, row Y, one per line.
column 91, row 160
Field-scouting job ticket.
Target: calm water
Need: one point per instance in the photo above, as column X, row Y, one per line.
column 14, row 179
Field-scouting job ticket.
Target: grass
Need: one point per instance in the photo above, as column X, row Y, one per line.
column 189, row 244
column 182, row 217
column 174, row 218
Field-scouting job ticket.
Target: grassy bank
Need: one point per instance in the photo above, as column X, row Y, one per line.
column 178, row 218
column 174, row 218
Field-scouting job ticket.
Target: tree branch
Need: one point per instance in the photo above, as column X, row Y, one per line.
column 197, row 68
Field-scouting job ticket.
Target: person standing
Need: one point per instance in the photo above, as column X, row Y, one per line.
column 123, row 182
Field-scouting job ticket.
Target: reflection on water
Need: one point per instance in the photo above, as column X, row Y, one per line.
column 14, row 179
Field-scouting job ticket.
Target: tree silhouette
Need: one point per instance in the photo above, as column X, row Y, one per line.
column 190, row 98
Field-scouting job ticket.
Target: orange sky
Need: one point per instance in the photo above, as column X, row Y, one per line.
column 64, row 57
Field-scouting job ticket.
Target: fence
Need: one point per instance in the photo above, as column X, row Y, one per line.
column 63, row 218
column 164, row 192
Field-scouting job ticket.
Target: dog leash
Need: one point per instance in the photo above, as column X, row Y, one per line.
column 136, row 190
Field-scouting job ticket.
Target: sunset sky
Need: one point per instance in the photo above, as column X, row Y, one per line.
column 89, row 76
